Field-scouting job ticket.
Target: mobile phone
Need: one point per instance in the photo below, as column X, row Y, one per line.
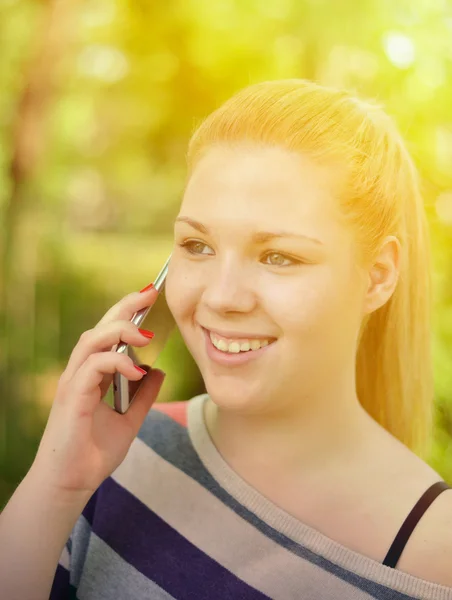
column 161, row 322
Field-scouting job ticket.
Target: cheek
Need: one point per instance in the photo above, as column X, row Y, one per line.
column 329, row 308
column 306, row 304
column 181, row 291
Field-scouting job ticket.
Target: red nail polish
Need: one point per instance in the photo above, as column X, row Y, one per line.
column 140, row 370
column 148, row 287
column 146, row 333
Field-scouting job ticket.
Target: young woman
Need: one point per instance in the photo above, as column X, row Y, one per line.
column 299, row 281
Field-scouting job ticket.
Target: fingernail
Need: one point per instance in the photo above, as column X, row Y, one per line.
column 148, row 287
column 146, row 333
column 142, row 371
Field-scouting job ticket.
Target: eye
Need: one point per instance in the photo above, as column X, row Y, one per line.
column 280, row 260
column 197, row 247
column 193, row 246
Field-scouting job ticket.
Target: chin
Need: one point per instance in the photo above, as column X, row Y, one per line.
column 242, row 388
column 233, row 393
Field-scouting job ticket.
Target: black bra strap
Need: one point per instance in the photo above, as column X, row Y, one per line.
column 411, row 521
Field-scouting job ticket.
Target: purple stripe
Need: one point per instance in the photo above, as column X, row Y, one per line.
column 158, row 551
column 88, row 511
column 60, row 585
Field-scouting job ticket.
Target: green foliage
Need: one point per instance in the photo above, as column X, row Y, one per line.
column 98, row 102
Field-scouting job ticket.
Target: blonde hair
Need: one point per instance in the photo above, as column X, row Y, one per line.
column 382, row 197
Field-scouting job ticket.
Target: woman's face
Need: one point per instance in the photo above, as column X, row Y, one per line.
column 261, row 254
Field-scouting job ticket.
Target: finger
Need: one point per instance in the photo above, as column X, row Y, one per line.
column 107, row 380
column 101, row 339
column 83, row 391
column 129, row 305
column 134, row 386
column 146, row 396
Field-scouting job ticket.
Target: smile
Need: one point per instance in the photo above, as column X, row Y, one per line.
column 236, row 345
column 234, row 352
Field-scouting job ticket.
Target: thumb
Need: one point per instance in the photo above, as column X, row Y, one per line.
column 145, row 397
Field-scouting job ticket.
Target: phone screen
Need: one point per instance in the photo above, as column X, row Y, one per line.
column 159, row 320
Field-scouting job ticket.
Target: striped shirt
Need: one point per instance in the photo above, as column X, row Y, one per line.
column 174, row 521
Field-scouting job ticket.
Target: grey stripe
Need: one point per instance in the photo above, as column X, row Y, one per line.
column 172, row 442
column 222, row 534
column 80, row 541
column 107, row 576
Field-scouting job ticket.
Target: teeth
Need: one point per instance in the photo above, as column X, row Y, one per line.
column 221, row 345
column 236, row 347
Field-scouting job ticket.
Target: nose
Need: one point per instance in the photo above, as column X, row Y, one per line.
column 229, row 288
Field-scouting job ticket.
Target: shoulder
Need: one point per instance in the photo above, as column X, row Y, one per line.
column 162, row 440
column 428, row 554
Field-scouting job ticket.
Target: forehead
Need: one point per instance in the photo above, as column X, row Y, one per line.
column 266, row 185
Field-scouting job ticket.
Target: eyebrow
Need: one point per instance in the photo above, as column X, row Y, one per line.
column 259, row 237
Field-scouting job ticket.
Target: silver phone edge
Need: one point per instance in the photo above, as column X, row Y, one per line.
column 120, row 383
column 140, row 316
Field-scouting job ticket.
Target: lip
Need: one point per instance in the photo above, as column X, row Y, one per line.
column 232, row 359
column 239, row 335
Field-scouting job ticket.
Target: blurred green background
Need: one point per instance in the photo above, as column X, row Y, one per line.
column 97, row 103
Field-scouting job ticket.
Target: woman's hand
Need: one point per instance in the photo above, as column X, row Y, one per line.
column 85, row 440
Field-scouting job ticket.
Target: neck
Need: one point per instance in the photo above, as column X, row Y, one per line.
column 313, row 432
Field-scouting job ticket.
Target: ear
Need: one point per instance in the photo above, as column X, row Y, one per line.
column 383, row 275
